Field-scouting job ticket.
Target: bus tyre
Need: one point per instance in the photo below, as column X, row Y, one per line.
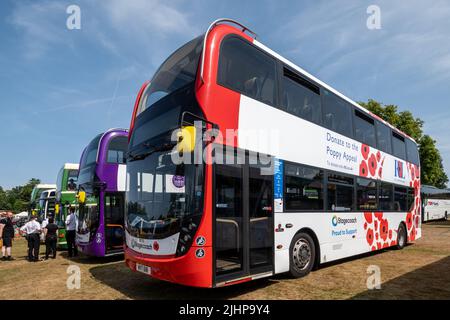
column 401, row 237
column 302, row 254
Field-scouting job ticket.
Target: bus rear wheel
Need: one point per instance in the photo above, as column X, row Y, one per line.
column 302, row 254
column 401, row 236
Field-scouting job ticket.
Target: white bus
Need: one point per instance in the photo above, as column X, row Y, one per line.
column 341, row 182
column 435, row 203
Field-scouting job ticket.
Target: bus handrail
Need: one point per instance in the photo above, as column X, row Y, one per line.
column 237, row 229
column 211, row 26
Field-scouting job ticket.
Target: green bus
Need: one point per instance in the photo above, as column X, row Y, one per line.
column 34, row 207
column 66, row 190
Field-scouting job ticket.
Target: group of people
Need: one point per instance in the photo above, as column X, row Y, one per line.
column 33, row 230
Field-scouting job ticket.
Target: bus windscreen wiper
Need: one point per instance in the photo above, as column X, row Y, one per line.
column 164, row 147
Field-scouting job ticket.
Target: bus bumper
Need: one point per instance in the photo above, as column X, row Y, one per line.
column 186, row 270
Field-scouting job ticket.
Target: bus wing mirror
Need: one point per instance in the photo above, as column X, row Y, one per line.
column 81, row 196
column 186, row 139
column 56, row 208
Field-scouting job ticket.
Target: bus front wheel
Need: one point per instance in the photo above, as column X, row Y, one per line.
column 401, row 236
column 302, row 255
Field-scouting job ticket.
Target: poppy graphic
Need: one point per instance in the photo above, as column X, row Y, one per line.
column 363, row 169
column 372, row 165
column 374, row 248
column 379, row 215
column 390, row 234
column 409, row 220
column 417, row 171
column 384, row 229
column 368, row 216
column 369, row 237
column 380, row 173
column 365, row 151
column 378, row 156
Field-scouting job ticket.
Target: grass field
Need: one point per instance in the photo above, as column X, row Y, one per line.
column 420, row 271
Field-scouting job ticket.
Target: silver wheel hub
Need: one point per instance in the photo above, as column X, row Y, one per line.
column 301, row 254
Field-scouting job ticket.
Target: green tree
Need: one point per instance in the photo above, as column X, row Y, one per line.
column 17, row 198
column 432, row 170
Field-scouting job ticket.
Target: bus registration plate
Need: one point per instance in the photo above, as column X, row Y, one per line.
column 143, row 269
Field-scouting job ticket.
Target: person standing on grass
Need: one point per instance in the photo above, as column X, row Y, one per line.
column 7, row 237
column 50, row 232
column 32, row 229
column 71, row 225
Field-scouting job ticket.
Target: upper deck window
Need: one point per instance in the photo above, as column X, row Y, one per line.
column 248, row 70
column 412, row 152
column 117, row 149
column 383, row 137
column 337, row 114
column 398, row 144
column 90, row 153
column 176, row 72
column 300, row 97
column 364, row 128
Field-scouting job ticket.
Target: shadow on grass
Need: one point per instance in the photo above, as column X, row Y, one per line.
column 429, row 282
column 88, row 260
column 134, row 285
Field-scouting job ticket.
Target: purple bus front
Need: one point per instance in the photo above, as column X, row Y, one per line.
column 102, row 177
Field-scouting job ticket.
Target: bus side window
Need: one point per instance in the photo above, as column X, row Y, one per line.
column 248, row 70
column 337, row 114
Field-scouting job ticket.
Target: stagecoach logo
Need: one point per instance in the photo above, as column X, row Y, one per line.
column 200, row 241
column 199, row 253
column 338, row 220
column 140, row 245
column 399, row 172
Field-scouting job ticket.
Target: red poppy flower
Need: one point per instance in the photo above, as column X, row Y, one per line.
column 378, row 156
column 372, row 165
column 365, row 149
column 368, row 216
column 374, row 248
column 380, row 173
column 409, row 220
column 384, row 229
column 363, row 169
column 390, row 234
column 369, row 237
column 379, row 215
column 417, row 171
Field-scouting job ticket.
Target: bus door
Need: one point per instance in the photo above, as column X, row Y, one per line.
column 243, row 213
column 114, row 215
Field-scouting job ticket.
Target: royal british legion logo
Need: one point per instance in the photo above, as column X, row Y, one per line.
column 399, row 169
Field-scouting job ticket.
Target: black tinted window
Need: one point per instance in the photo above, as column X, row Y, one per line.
column 117, row 149
column 398, row 144
column 177, row 71
column 364, row 128
column 300, row 97
column 412, row 152
column 400, row 199
column 304, row 188
column 246, row 69
column 366, row 194
column 385, row 197
column 383, row 137
column 340, row 193
column 337, row 114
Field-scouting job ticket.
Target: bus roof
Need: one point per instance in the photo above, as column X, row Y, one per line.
column 71, row 166
column 433, row 190
column 45, row 186
column 313, row 78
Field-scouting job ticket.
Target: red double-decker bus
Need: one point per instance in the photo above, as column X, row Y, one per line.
column 329, row 180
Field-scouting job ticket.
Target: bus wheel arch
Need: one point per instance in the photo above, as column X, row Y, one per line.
column 309, row 238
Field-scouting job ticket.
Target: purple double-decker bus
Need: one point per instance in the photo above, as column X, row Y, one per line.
column 102, row 177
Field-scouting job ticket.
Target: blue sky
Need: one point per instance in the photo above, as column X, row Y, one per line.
column 60, row 87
